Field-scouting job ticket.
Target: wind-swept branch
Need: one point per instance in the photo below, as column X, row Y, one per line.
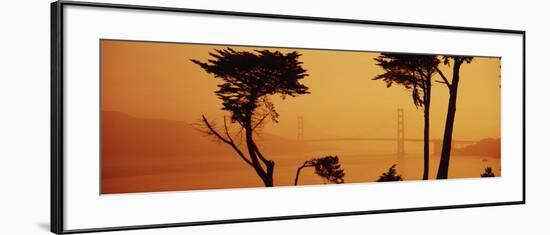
column 227, row 141
column 327, row 168
column 445, row 80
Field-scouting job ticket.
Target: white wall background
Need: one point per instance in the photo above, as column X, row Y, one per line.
column 24, row 118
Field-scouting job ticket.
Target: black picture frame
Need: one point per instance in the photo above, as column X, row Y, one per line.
column 57, row 187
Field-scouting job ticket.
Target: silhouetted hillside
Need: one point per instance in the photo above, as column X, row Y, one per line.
column 124, row 134
column 140, row 146
column 485, row 147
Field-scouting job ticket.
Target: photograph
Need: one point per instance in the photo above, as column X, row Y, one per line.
column 218, row 115
column 177, row 116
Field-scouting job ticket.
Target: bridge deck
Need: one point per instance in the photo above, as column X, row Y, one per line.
column 385, row 139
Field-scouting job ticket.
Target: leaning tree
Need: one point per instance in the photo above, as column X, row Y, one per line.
column 327, row 168
column 414, row 72
column 248, row 79
column 452, row 84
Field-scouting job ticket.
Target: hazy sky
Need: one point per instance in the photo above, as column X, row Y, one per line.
column 158, row 80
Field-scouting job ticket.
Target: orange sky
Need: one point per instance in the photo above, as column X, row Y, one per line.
column 158, row 81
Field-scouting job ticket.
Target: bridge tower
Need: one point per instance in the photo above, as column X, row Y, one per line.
column 300, row 134
column 400, row 132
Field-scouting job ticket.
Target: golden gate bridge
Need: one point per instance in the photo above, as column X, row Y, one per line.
column 400, row 139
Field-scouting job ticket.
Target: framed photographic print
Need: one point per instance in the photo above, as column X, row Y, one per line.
column 205, row 117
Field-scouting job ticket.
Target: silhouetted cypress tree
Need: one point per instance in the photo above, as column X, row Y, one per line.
column 390, row 175
column 327, row 167
column 443, row 171
column 414, row 72
column 248, row 79
column 488, row 172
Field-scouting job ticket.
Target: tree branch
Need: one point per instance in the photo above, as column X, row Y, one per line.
column 240, row 135
column 298, row 174
column 443, row 76
column 213, row 131
column 227, row 141
column 309, row 163
column 422, row 74
column 227, row 130
column 261, row 120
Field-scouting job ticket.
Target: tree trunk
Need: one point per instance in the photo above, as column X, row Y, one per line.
column 267, row 178
column 443, row 170
column 298, row 174
column 427, row 100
